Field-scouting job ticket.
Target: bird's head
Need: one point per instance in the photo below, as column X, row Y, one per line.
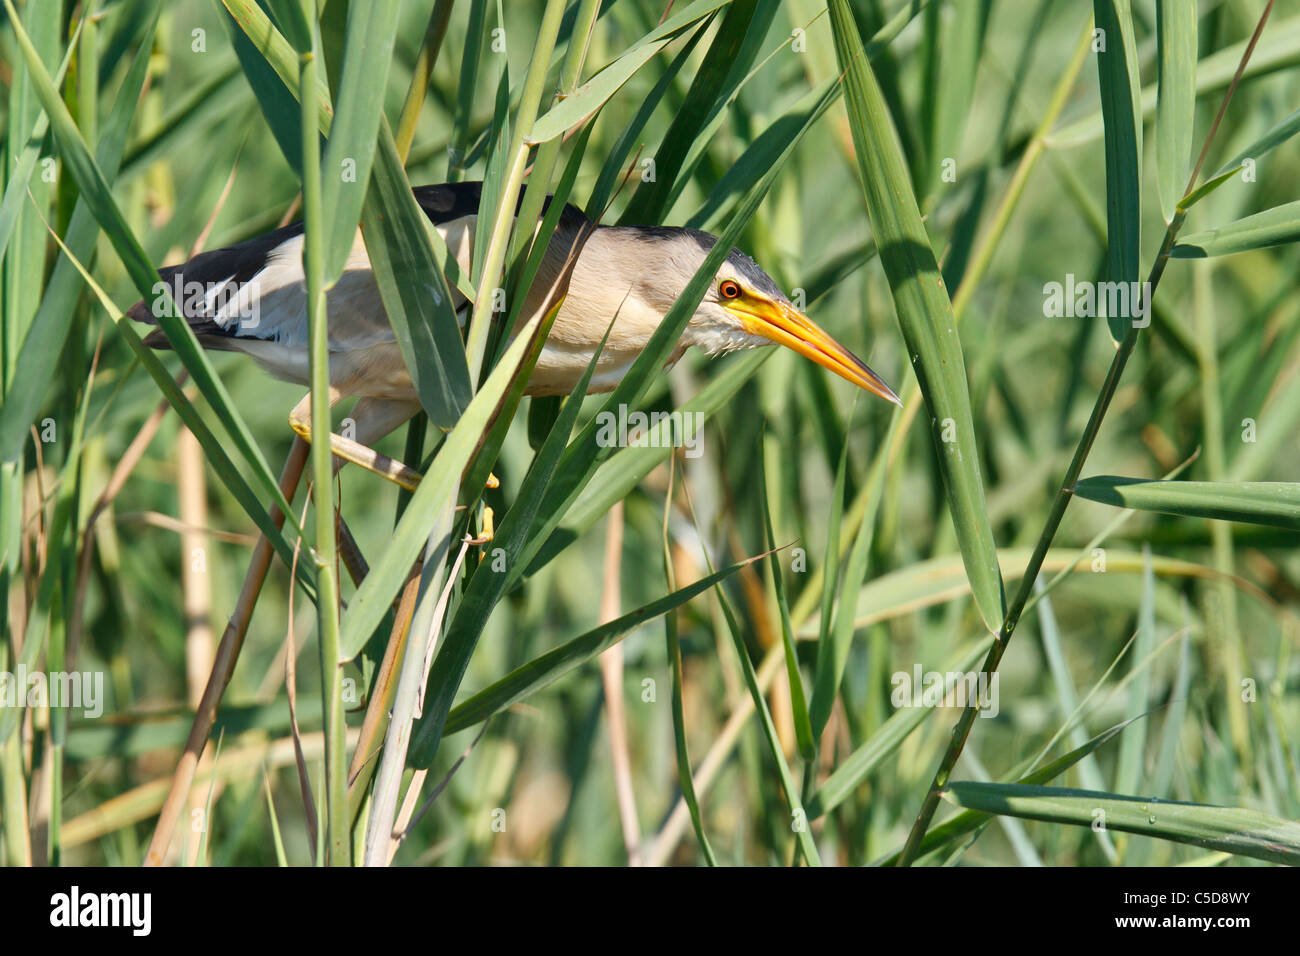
column 743, row 307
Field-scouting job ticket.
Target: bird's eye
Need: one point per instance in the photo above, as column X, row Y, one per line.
column 728, row 289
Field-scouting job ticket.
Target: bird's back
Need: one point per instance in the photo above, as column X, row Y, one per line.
column 251, row 297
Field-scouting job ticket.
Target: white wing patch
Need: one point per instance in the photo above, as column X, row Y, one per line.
column 267, row 315
column 357, row 319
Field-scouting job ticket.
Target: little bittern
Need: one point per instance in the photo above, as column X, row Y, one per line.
column 251, row 298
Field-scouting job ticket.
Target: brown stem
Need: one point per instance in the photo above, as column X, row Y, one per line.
column 232, row 641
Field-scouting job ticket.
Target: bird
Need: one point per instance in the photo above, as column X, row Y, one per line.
column 251, row 298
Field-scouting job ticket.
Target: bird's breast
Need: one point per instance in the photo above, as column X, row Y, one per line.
column 560, row 368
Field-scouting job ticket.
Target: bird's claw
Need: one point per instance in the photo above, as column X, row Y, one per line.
column 486, row 532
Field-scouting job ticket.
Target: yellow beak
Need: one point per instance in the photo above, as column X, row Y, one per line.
column 784, row 325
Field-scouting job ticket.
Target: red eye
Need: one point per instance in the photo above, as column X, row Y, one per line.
column 728, row 289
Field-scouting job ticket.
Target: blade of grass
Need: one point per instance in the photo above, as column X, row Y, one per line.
column 1274, row 227
column 728, row 106
column 414, row 289
column 476, row 36
column 539, row 181
column 1121, row 109
column 278, row 54
column 350, row 153
column 756, row 158
column 609, row 80
column 1209, row 186
column 617, row 155
column 1171, row 737
column 924, row 313
column 1176, row 101
column 491, row 447
column 276, row 840
column 1278, row 134
column 1272, row 503
column 1054, row 651
column 25, row 257
column 422, row 75
column 221, row 96
column 962, row 36
column 1230, row 829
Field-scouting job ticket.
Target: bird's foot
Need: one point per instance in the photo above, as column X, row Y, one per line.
column 486, row 530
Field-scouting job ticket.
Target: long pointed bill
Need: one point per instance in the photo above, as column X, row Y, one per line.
column 787, row 326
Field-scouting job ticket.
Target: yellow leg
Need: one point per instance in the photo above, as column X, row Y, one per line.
column 373, row 419
column 487, row 530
